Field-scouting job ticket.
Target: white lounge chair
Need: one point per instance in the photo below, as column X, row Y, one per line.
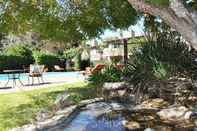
column 58, row 68
column 36, row 71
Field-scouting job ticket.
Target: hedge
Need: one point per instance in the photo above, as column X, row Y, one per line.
column 49, row 60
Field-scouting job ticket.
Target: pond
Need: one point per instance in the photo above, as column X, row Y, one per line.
column 107, row 117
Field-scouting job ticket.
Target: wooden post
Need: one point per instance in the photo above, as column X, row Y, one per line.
column 125, row 51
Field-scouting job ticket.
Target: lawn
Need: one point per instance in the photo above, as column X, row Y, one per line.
column 17, row 109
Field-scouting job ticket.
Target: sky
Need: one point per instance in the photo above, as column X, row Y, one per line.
column 138, row 29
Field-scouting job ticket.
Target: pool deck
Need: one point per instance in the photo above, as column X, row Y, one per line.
column 48, row 82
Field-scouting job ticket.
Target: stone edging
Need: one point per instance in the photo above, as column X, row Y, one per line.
column 59, row 117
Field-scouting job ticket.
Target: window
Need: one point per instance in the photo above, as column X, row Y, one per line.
column 116, row 46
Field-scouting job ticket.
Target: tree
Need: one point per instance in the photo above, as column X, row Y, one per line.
column 179, row 14
column 66, row 20
column 76, row 20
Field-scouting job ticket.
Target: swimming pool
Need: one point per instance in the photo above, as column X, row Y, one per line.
column 24, row 76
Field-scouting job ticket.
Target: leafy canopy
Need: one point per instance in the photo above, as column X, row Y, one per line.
column 70, row 20
column 65, row 20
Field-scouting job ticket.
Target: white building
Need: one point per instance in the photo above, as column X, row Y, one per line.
column 113, row 47
column 96, row 54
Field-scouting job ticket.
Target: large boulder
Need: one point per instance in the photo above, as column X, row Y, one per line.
column 115, row 89
column 153, row 104
column 63, row 100
column 175, row 114
column 131, row 125
column 113, row 85
column 178, row 90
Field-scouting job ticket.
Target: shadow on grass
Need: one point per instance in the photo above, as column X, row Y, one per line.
column 86, row 92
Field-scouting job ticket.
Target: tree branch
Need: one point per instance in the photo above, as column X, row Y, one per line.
column 177, row 16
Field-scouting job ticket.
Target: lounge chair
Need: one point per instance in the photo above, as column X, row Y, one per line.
column 89, row 71
column 58, row 68
column 36, row 71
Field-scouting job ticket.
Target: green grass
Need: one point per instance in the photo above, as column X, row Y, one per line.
column 17, row 109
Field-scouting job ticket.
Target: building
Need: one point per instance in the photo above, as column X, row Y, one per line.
column 96, row 53
column 113, row 47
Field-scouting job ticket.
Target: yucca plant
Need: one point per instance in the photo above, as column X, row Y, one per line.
column 156, row 61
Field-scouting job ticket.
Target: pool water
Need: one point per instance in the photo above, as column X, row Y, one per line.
column 24, row 76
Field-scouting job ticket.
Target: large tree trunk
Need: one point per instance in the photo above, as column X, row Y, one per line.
column 176, row 15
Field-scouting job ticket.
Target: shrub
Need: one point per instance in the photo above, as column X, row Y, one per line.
column 84, row 64
column 11, row 62
column 70, row 53
column 85, row 60
column 15, row 57
column 77, row 61
column 49, row 60
column 163, row 58
column 3, row 62
column 18, row 56
column 156, row 61
column 109, row 74
column 75, row 54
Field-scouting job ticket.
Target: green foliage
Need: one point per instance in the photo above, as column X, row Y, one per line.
column 49, row 60
column 76, row 54
column 109, row 74
column 70, row 53
column 77, row 61
column 84, row 64
column 69, row 21
column 97, row 78
column 119, row 13
column 16, row 57
column 156, row 61
column 161, row 59
column 112, row 74
column 12, row 62
column 22, row 51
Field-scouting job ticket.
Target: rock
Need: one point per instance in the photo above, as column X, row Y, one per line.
column 63, row 101
column 113, row 85
column 175, row 114
column 99, row 108
column 153, row 91
column 26, row 128
column 164, row 128
column 144, row 118
column 154, row 104
column 177, row 90
column 43, row 115
column 149, row 129
column 114, row 89
column 131, row 125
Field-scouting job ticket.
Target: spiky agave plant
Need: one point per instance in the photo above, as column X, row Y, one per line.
column 155, row 61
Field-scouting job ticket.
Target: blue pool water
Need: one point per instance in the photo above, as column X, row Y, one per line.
column 24, row 76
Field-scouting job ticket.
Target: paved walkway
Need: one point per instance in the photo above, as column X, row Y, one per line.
column 48, row 82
